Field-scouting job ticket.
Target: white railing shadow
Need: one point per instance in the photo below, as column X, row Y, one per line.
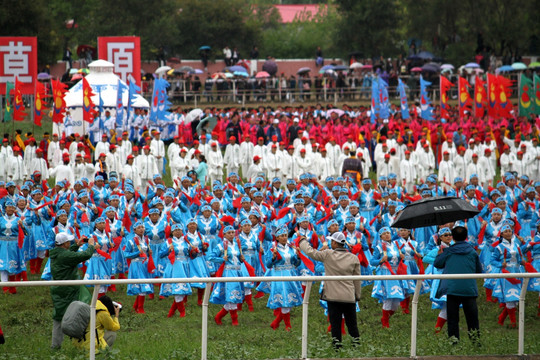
column 309, row 280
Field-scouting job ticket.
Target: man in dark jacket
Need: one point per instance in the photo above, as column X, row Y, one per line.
column 460, row 258
column 352, row 168
column 65, row 259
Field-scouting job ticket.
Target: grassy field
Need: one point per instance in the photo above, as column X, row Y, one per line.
column 26, row 321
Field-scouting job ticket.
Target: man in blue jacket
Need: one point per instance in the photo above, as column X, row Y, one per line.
column 460, row 258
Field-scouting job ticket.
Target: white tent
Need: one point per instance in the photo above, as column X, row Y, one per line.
column 102, row 80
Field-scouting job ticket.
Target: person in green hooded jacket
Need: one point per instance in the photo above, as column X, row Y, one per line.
column 65, row 259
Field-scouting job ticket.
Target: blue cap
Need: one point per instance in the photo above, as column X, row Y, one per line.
column 98, row 178
column 100, row 219
column 496, row 210
column 299, row 200
column 458, row 179
column 349, row 220
column 275, row 180
column 329, row 178
column 233, row 174
column 35, row 192
column 473, row 176
column 168, row 194
column 176, row 226
column 354, row 203
column 156, row 176
column 253, row 190
column 291, row 182
column 384, row 229
column 537, row 184
column 245, row 222
column 392, row 203
column 191, row 221
column 185, row 178
column 216, row 187
column 444, row 230
column 331, row 222
column 61, row 212
column 9, row 203
column 206, row 208
column 392, row 176
column 161, row 187
column 500, row 199
column 110, row 208
column 303, row 218
column 343, row 197
column 340, row 178
column 336, row 188
column 426, row 193
column 129, row 189
column 523, row 177
column 10, row 183
column 258, row 194
column 383, row 178
column 508, row 222
column 114, row 197
column 399, row 208
column 259, row 178
column 228, row 228
column 392, row 191
column 470, row 187
column 282, row 231
column 366, row 182
column 137, row 224
column 113, row 179
column 304, row 176
column 505, row 227
column 248, row 185
column 62, row 203
column 530, row 189
column 494, row 192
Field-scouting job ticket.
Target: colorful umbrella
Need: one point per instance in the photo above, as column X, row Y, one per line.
column 356, row 65
column 534, row 65
column 519, row 66
column 416, row 69
column 262, row 74
column 303, row 70
column 471, row 65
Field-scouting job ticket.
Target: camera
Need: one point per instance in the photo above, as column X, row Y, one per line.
column 84, row 239
column 117, row 305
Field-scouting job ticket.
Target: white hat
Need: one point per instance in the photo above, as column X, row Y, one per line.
column 62, row 238
column 296, row 119
column 338, row 237
column 276, row 121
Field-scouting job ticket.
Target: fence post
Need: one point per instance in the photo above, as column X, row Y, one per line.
column 521, row 323
column 93, row 322
column 305, row 307
column 414, row 318
column 204, row 339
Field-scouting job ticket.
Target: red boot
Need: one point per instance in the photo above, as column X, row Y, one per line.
column 249, row 302
column 200, row 295
column 172, row 310
column 343, row 332
column 181, row 308
column 24, row 276
column 503, row 316
column 112, row 287
column 275, row 324
column 489, row 292
column 405, row 305
column 220, row 315
column 122, row 276
column 136, row 304
column 234, row 317
column 32, row 264
column 12, row 289
column 39, row 262
column 287, row 321
column 512, row 316
column 259, row 295
column 385, row 319
column 151, row 296
column 239, row 307
column 439, row 325
column 140, row 309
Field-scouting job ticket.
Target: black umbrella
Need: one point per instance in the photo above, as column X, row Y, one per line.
column 270, row 67
column 437, row 210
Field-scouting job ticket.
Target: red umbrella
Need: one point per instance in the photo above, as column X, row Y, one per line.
column 262, row 74
column 416, row 69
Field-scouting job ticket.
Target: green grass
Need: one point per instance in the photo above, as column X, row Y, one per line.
column 26, row 321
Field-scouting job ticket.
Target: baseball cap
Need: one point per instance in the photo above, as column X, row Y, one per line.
column 338, row 237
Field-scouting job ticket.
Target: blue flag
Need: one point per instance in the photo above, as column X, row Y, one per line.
column 120, row 104
column 160, row 100
column 425, row 104
column 375, row 104
column 384, row 103
column 133, row 90
column 101, row 124
column 403, row 100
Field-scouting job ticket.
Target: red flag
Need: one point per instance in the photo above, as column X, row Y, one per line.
column 445, row 85
column 479, row 97
column 172, row 255
column 59, row 105
column 20, row 237
column 39, row 108
column 493, row 86
column 104, row 254
column 504, row 92
column 126, row 221
column 464, row 96
column 88, row 105
column 18, row 104
column 512, row 281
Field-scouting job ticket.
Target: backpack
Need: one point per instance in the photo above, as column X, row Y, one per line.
column 76, row 320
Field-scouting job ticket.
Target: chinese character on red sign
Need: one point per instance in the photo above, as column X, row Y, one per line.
column 18, row 58
column 125, row 53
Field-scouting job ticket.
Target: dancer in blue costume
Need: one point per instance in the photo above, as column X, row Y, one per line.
column 491, row 235
column 178, row 254
column 507, row 256
column 282, row 260
column 533, row 247
column 437, row 301
column 197, row 262
column 251, row 249
column 386, row 259
column 138, row 250
column 155, row 226
column 12, row 262
column 229, row 294
column 99, row 266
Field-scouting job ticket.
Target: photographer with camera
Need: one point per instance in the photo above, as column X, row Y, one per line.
column 65, row 259
column 107, row 325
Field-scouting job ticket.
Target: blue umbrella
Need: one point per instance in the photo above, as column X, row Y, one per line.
column 341, row 68
column 425, row 55
column 326, row 67
column 235, row 68
column 505, row 68
column 241, row 73
column 205, row 47
column 472, row 65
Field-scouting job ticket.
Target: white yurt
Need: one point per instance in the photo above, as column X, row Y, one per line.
column 103, row 81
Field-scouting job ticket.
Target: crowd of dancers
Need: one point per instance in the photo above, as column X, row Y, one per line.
column 251, row 225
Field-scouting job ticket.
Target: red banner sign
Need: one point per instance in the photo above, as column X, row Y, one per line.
column 18, row 58
column 124, row 52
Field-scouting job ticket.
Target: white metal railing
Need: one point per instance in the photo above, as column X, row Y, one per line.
column 309, row 280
